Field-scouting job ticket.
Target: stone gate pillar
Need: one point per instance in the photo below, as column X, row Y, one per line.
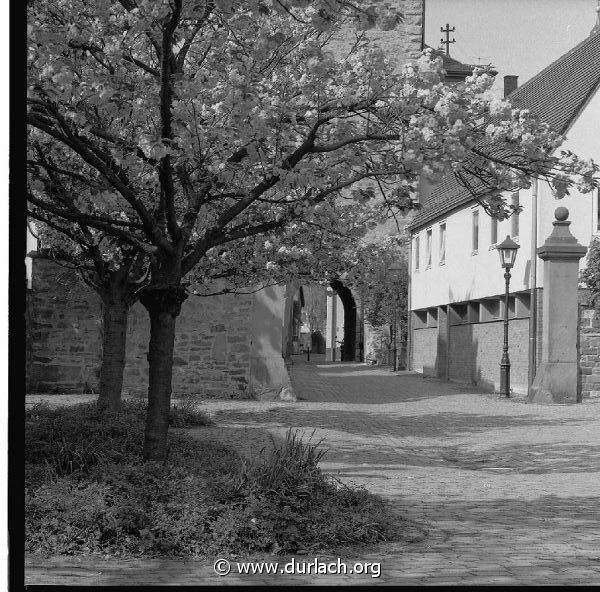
column 556, row 379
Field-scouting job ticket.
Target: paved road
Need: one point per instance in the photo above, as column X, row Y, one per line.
column 496, row 491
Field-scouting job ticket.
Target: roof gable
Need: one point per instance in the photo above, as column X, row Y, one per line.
column 556, row 95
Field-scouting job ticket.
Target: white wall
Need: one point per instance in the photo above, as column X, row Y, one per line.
column 335, row 325
column 466, row 275
column 583, row 138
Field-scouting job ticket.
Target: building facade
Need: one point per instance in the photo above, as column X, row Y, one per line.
column 457, row 284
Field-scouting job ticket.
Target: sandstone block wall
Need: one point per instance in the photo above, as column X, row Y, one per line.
column 589, row 347
column 212, row 345
column 64, row 331
column 424, row 346
column 475, row 351
column 404, row 42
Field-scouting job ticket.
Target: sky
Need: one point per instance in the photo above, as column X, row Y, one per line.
column 519, row 37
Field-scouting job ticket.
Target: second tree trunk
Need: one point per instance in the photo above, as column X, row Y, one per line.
column 114, row 339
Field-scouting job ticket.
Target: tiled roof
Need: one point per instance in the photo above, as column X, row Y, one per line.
column 556, row 95
column 453, row 67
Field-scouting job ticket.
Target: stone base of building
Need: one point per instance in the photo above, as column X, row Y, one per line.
column 447, row 346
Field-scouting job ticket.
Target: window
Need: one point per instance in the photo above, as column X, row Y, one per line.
column 442, row 243
column 475, row 239
column 494, row 231
column 417, row 252
column 514, row 219
column 428, row 248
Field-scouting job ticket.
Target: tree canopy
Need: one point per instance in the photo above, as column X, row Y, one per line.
column 191, row 125
column 208, row 136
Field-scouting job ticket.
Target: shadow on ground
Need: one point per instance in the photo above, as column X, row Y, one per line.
column 385, row 422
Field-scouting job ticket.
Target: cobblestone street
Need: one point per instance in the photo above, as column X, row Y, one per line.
column 495, row 491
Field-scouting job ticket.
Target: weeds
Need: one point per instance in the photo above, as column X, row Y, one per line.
column 88, row 491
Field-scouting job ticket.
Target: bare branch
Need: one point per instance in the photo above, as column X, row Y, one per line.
column 83, row 219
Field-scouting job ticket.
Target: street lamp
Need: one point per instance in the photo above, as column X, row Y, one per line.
column 507, row 250
column 394, row 270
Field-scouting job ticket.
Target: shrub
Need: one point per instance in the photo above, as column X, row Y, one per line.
column 289, row 468
column 88, row 491
column 591, row 274
column 186, row 412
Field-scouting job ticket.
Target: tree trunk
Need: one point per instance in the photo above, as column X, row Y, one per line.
column 114, row 338
column 164, row 306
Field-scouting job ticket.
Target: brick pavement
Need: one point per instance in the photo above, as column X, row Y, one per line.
column 495, row 491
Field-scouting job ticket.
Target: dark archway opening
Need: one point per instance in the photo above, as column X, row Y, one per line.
column 345, row 294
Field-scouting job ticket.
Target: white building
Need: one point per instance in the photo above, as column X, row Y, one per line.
column 457, row 284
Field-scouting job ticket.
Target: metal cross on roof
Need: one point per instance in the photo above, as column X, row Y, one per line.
column 447, row 42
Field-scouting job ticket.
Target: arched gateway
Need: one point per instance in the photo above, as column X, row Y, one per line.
column 344, row 330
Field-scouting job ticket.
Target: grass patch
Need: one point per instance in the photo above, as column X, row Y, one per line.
column 88, row 491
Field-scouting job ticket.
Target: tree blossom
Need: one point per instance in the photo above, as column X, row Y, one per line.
column 189, row 128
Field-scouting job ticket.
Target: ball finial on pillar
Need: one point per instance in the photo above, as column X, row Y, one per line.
column 561, row 213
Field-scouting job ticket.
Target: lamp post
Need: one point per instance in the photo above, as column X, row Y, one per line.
column 394, row 269
column 507, row 250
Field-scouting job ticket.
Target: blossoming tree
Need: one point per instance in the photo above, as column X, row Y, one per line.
column 195, row 127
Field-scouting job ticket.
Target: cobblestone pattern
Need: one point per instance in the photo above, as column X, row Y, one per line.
column 494, row 491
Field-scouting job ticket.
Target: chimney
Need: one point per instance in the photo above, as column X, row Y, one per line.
column 510, row 84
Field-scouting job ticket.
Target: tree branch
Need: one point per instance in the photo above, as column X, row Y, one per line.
column 81, row 218
column 165, row 169
column 82, row 147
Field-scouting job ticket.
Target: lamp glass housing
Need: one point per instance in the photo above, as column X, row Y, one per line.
column 507, row 250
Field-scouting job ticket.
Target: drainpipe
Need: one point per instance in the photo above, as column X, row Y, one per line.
column 532, row 285
column 408, row 306
column 333, row 325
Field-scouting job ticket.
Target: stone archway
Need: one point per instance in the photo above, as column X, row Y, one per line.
column 350, row 320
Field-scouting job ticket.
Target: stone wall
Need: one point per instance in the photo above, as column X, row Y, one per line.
column 471, row 352
column 404, row 42
column 64, row 331
column 475, row 350
column 424, row 348
column 589, row 347
column 212, row 346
